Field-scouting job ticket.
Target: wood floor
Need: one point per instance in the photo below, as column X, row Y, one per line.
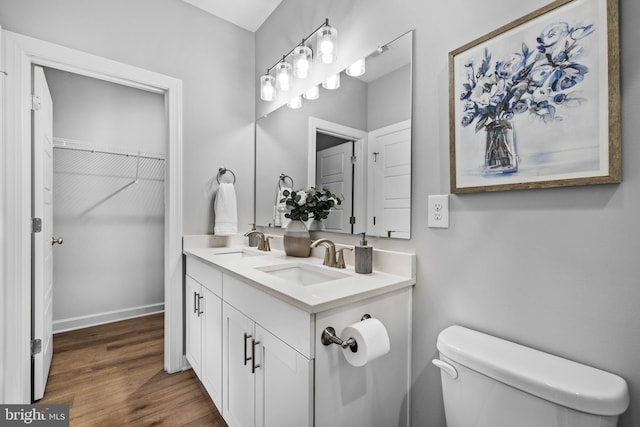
column 112, row 375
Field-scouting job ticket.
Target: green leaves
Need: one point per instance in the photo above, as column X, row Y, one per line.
column 310, row 203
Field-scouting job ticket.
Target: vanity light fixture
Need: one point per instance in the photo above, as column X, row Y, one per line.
column 356, row 69
column 302, row 59
column 332, row 82
column 284, row 76
column 328, row 44
column 312, row 93
column 295, row 102
column 267, row 87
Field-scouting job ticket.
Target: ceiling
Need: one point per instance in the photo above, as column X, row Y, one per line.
column 248, row 14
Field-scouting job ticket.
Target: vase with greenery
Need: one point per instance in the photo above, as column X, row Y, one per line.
column 303, row 205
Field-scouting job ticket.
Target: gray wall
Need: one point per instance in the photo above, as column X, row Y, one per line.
column 112, row 259
column 569, row 281
column 213, row 58
column 387, row 99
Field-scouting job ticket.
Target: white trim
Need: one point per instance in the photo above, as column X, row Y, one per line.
column 360, row 170
column 2, row 235
column 20, row 52
column 87, row 321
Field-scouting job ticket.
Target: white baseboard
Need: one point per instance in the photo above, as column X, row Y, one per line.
column 81, row 322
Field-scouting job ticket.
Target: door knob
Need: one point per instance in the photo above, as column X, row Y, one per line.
column 58, row 240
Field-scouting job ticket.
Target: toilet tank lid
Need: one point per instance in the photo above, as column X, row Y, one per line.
column 549, row 377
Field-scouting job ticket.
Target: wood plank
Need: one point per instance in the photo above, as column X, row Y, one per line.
column 113, row 375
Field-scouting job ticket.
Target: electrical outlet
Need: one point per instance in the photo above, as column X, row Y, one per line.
column 438, row 211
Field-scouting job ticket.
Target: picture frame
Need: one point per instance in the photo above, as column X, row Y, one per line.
column 536, row 103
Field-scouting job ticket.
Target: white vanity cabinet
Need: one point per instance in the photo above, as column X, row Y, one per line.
column 274, row 371
column 203, row 313
column 267, row 382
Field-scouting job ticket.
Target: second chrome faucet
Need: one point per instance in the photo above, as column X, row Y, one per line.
column 263, row 241
column 332, row 258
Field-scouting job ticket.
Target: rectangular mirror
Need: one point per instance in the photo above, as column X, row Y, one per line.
column 354, row 140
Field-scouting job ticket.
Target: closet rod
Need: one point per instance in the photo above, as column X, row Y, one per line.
column 102, row 151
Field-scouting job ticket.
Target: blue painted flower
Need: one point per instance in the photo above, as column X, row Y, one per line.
column 486, row 90
column 520, row 107
column 508, row 68
column 566, row 78
column 559, row 98
column 553, row 33
column 579, row 33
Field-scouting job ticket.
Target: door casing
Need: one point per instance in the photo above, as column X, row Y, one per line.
column 19, row 54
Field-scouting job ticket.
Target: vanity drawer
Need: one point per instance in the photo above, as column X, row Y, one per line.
column 205, row 274
column 291, row 324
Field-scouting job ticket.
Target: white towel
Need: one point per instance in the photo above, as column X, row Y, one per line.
column 225, row 210
column 280, row 209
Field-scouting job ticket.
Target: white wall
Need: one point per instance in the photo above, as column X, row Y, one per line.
column 569, row 255
column 111, row 264
column 213, row 58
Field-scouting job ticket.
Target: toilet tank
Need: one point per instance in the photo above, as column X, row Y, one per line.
column 490, row 382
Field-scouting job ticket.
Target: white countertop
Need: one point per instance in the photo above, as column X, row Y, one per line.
column 311, row 298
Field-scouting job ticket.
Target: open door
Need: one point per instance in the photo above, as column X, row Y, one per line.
column 334, row 172
column 42, row 257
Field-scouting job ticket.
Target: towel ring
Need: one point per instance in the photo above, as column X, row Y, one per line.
column 282, row 179
column 222, row 171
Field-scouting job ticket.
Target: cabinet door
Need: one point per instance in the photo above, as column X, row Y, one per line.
column 239, row 385
column 193, row 328
column 211, row 309
column 284, row 384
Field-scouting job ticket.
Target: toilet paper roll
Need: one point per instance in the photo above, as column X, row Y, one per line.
column 372, row 339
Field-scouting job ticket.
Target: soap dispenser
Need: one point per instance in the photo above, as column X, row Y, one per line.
column 363, row 256
column 253, row 238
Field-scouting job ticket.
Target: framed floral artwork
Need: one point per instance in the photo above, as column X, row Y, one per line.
column 536, row 103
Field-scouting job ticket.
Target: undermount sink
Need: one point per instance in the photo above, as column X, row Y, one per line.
column 241, row 253
column 302, row 274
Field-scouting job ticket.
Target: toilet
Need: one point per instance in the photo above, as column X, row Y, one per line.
column 490, row 382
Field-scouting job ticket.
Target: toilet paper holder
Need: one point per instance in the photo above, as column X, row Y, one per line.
column 329, row 337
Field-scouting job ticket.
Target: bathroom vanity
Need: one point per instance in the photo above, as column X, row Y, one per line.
column 254, row 322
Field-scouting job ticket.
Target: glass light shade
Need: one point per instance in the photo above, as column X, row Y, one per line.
column 333, row 82
column 356, row 69
column 267, row 88
column 312, row 93
column 284, row 76
column 328, row 44
column 302, row 60
column 295, row 103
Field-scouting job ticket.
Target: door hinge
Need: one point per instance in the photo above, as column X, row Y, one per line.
column 36, row 102
column 353, row 160
column 36, row 225
column 36, row 346
column 352, row 220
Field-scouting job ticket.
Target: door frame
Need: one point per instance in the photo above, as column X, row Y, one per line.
column 20, row 52
column 360, row 143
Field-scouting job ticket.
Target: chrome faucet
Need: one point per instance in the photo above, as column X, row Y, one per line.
column 329, row 253
column 263, row 241
column 332, row 258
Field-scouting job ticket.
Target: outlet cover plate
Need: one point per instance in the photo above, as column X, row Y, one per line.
column 438, row 211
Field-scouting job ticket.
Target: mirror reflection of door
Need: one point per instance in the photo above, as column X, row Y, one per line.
column 389, row 179
column 335, row 172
